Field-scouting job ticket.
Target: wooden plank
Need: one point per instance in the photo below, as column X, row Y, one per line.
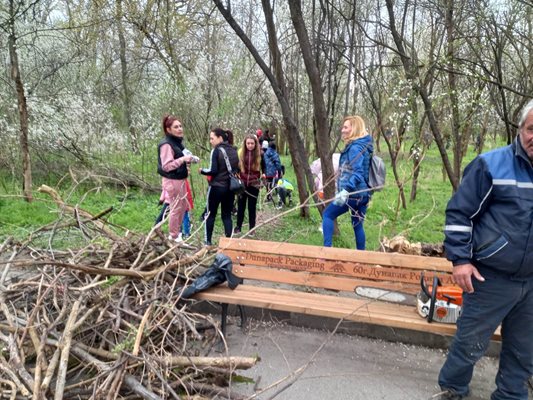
column 341, row 268
column 330, row 253
column 374, row 312
column 303, row 278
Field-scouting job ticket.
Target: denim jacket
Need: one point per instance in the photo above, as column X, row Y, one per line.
column 354, row 165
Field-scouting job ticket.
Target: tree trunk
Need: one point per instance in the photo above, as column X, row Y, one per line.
column 319, row 106
column 22, row 106
column 125, row 85
column 296, row 146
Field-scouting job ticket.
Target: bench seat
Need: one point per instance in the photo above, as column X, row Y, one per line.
column 327, row 282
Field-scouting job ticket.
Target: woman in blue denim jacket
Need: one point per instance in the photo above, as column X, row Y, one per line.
column 352, row 181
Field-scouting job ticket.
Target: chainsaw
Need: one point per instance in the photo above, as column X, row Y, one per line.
column 439, row 303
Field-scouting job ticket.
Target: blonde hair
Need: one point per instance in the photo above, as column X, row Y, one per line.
column 358, row 128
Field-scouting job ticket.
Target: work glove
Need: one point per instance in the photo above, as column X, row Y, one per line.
column 341, row 197
column 187, row 152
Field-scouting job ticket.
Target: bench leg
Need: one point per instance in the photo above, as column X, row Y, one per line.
column 223, row 318
column 242, row 313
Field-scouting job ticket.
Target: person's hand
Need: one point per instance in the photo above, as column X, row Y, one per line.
column 200, row 170
column 341, row 197
column 462, row 276
column 263, row 176
column 187, row 158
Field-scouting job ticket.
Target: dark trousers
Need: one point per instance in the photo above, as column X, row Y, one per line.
column 249, row 196
column 161, row 213
column 218, row 196
column 497, row 300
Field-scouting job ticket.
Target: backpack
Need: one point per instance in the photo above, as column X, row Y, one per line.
column 376, row 174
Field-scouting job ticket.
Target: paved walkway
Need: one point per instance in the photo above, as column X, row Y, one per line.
column 342, row 366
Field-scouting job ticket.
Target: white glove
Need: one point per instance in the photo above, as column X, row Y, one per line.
column 187, row 152
column 341, row 197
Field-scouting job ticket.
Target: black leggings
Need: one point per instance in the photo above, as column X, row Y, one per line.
column 250, row 194
column 218, row 196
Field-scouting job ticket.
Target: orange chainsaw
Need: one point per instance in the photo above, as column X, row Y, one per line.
column 439, row 303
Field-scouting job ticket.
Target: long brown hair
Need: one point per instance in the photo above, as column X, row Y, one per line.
column 256, row 155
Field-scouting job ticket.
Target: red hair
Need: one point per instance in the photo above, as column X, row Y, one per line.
column 168, row 120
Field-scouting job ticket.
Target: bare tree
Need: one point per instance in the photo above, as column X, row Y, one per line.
column 319, row 106
column 126, row 92
column 277, row 81
column 18, row 10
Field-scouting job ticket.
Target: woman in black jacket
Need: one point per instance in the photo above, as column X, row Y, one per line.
column 218, row 192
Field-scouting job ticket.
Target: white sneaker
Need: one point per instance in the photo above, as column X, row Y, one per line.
column 178, row 239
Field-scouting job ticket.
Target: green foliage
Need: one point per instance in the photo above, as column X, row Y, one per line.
column 136, row 210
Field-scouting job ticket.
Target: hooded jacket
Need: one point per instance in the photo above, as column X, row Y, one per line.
column 489, row 220
column 272, row 163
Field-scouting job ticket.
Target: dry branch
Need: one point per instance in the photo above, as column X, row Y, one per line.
column 101, row 319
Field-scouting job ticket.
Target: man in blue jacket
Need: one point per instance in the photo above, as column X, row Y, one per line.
column 489, row 240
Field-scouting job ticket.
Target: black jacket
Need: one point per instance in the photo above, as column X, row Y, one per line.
column 217, row 168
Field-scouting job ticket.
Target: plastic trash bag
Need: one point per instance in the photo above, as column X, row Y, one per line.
column 218, row 272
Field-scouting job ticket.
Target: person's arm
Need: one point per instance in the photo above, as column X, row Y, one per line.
column 168, row 163
column 468, row 203
column 277, row 163
column 355, row 159
column 213, row 164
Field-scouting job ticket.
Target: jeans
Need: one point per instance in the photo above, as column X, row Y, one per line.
column 357, row 206
column 499, row 299
column 186, row 224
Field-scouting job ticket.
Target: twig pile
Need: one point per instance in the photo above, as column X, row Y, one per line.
column 104, row 321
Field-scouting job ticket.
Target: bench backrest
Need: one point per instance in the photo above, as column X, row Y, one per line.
column 332, row 268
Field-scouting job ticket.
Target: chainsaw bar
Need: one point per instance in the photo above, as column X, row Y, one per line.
column 386, row 295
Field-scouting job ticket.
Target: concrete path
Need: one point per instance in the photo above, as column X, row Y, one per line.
column 341, row 367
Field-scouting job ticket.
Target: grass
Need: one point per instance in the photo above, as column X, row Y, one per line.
column 136, row 210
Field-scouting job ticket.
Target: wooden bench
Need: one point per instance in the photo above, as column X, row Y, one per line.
column 331, row 282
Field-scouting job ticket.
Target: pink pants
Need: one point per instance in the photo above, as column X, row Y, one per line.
column 176, row 196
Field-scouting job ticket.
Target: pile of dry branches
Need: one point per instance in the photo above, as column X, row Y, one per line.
column 103, row 320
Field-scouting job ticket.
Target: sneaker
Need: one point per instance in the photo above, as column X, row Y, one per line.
column 178, row 239
column 236, row 230
column 447, row 395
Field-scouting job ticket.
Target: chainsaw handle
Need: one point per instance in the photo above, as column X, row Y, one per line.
column 423, row 286
column 433, row 298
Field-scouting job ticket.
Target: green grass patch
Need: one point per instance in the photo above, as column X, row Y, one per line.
column 136, row 210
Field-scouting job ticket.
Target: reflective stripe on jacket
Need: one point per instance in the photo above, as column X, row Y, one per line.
column 489, row 221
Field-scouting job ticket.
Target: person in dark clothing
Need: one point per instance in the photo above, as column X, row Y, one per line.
column 250, row 167
column 218, row 192
column 272, row 168
column 489, row 240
